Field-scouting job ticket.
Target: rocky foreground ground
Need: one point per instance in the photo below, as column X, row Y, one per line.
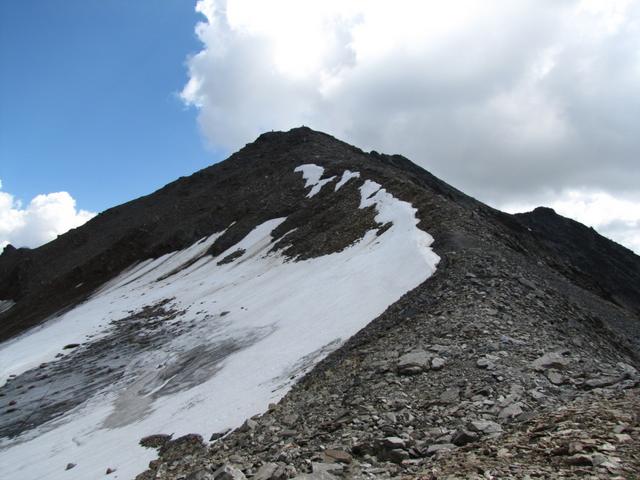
column 492, row 369
column 597, row 436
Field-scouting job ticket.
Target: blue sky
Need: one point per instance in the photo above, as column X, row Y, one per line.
column 88, row 98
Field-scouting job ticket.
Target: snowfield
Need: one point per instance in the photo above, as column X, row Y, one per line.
column 219, row 342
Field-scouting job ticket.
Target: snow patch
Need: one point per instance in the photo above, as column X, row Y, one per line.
column 249, row 326
column 312, row 174
column 346, row 176
column 6, row 305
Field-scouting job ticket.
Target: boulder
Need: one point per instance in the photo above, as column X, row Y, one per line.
column 555, row 377
column 339, row 456
column 485, row 426
column 200, row 475
column 228, row 472
column 414, row 362
column 463, row 437
column 437, row 363
column 315, row 476
column 550, row 360
column 272, row 471
column 512, row 411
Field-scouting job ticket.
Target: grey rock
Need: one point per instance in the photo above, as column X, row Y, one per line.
column 397, row 455
column 463, row 437
column 414, row 362
column 270, row 471
column 266, row 471
column 228, row 472
column 550, row 360
column 556, row 377
column 599, row 459
column 437, row 363
column 218, row 435
column 526, row 283
column 318, row 467
column 580, row 459
column 510, row 340
column 291, row 419
column 628, row 370
column 512, row 411
column 200, row 475
column 485, row 426
column 536, row 394
column 393, row 442
column 450, row 395
column 155, row 441
column 488, row 362
column 315, row 476
column 336, row 455
column 439, row 447
column 250, row 424
column 602, row 382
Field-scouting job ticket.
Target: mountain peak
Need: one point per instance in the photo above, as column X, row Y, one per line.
column 390, row 316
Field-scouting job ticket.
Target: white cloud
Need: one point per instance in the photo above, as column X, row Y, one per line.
column 499, row 98
column 42, row 220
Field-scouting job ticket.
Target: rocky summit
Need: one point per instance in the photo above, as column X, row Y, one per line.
column 308, row 310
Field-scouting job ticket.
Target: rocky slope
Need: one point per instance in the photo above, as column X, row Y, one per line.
column 527, row 318
column 492, row 344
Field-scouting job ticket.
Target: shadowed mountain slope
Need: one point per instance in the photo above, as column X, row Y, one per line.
column 588, row 258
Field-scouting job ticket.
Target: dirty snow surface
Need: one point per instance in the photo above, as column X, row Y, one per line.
column 187, row 343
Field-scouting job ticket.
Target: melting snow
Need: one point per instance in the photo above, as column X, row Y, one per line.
column 346, row 176
column 249, row 325
column 312, row 175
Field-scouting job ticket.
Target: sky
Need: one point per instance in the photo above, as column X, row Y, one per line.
column 520, row 104
column 90, row 109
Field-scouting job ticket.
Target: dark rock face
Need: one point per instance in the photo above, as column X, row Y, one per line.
column 526, row 315
column 586, row 257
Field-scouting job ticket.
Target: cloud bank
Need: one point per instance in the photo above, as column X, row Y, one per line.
column 508, row 101
column 42, row 220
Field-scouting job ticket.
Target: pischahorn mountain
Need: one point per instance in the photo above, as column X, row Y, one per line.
column 308, row 310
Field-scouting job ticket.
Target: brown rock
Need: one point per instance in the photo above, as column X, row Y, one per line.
column 339, row 456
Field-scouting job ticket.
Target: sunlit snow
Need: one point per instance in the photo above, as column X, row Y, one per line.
column 346, row 176
column 312, row 175
column 251, row 327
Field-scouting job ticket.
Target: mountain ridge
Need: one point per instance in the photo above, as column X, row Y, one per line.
column 510, row 324
column 143, row 237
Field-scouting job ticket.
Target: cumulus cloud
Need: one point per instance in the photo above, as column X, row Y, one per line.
column 505, row 100
column 42, row 220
